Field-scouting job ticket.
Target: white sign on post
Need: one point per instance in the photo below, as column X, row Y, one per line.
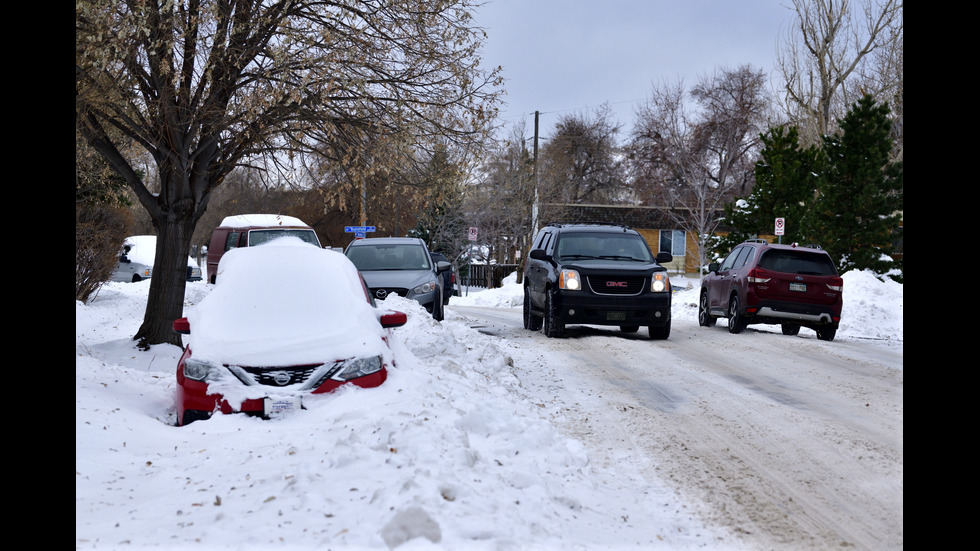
column 472, row 234
column 780, row 226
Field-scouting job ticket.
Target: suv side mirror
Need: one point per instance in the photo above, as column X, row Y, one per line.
column 713, row 267
column 663, row 258
column 539, row 254
column 443, row 266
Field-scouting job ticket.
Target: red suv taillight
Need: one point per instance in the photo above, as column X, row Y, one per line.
column 757, row 276
column 836, row 285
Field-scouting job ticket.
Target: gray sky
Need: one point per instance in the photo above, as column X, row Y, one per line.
column 571, row 56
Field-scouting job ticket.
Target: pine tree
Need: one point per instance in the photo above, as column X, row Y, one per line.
column 857, row 211
column 786, row 179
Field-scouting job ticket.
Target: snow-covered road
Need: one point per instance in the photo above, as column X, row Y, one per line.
column 790, row 441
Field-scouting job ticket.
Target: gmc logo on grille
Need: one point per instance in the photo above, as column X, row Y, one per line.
column 615, row 284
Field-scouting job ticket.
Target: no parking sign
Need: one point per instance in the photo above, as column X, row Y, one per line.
column 780, row 226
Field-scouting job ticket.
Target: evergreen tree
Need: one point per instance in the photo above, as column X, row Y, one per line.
column 786, row 179
column 858, row 209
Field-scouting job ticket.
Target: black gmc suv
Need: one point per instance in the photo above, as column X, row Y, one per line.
column 597, row 274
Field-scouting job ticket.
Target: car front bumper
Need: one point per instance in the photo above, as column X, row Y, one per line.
column 196, row 401
column 649, row 309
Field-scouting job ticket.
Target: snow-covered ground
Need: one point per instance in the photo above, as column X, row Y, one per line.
column 451, row 452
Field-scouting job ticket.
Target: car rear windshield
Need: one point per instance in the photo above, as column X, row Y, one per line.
column 797, row 262
column 258, row 237
column 388, row 257
column 603, row 246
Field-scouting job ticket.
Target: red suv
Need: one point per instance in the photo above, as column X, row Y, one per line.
column 759, row 282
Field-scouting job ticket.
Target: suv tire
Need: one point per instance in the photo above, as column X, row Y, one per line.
column 531, row 322
column 736, row 322
column 705, row 319
column 826, row 333
column 790, row 328
column 438, row 309
column 553, row 328
column 659, row 333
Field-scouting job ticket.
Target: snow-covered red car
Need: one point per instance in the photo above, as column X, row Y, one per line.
column 286, row 320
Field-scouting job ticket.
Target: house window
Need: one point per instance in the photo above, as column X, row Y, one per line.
column 673, row 242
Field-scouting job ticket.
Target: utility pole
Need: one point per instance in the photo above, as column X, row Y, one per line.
column 534, row 179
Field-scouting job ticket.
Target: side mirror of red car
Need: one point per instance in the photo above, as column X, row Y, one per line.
column 182, row 326
column 389, row 319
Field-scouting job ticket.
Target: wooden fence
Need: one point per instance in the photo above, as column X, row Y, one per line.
column 490, row 276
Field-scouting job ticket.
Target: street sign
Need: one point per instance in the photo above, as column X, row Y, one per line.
column 473, row 234
column 358, row 229
column 780, row 226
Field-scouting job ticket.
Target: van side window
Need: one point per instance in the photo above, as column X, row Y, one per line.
column 232, row 241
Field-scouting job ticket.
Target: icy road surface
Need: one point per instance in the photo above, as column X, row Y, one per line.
column 790, row 441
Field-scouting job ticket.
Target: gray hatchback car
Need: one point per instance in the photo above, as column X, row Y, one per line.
column 403, row 266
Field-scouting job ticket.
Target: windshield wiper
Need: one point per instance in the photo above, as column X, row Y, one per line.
column 577, row 256
column 619, row 257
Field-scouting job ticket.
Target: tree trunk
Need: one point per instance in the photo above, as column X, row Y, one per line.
column 175, row 214
column 165, row 302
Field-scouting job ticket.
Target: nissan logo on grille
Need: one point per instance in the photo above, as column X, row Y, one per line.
column 615, row 284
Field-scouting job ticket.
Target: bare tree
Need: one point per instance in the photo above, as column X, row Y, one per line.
column 837, row 51
column 208, row 85
column 581, row 162
column 693, row 158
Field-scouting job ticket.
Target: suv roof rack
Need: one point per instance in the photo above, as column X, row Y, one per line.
column 757, row 240
column 588, row 223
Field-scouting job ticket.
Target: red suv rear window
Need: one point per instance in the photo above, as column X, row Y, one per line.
column 797, row 262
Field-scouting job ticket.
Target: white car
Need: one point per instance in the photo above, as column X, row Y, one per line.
column 136, row 260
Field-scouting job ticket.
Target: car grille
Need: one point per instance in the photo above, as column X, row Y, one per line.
column 281, row 376
column 613, row 285
column 382, row 292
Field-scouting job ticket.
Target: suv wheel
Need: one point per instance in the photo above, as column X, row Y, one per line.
column 791, row 328
column 736, row 321
column 659, row 333
column 826, row 333
column 531, row 322
column 705, row 319
column 552, row 326
column 438, row 310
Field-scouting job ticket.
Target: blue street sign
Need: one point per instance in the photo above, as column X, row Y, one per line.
column 358, row 229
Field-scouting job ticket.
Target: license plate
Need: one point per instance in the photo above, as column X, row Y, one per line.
column 615, row 316
column 797, row 287
column 274, row 407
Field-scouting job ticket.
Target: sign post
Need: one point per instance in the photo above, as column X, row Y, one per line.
column 469, row 260
column 780, row 228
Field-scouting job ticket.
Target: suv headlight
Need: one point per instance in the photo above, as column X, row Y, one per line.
column 660, row 283
column 569, row 279
column 426, row 287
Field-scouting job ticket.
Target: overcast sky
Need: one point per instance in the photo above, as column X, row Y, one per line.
column 571, row 56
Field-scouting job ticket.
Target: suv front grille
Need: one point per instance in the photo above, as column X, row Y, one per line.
column 612, row 285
